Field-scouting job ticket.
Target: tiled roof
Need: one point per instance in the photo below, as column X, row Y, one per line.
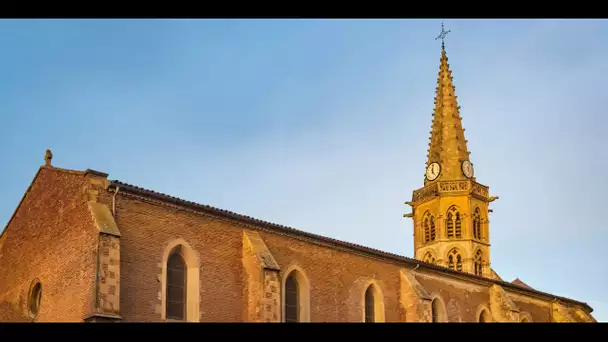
column 495, row 275
column 124, row 187
column 518, row 282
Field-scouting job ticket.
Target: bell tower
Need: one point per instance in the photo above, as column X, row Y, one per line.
column 450, row 212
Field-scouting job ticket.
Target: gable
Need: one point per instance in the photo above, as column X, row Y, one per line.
column 50, row 237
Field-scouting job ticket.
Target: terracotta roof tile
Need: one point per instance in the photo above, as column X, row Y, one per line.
column 518, row 282
column 495, row 275
column 125, row 187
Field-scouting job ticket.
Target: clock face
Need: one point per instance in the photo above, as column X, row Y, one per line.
column 467, row 169
column 432, row 171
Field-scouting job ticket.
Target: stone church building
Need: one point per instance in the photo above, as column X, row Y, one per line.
column 82, row 248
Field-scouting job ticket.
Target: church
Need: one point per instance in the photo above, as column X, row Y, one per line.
column 81, row 247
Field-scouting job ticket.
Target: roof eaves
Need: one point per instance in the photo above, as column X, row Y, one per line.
column 348, row 245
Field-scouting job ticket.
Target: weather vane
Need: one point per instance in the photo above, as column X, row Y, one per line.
column 442, row 36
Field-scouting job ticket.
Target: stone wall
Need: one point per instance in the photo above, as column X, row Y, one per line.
column 109, row 275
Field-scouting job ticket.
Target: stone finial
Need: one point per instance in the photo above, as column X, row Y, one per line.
column 47, row 157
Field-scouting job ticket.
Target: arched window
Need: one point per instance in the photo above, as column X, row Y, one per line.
column 372, row 303
column 369, row 305
column 453, row 223
column 438, row 313
column 455, row 260
column 427, row 229
column 295, row 306
column 524, row 317
column 292, row 299
column 484, row 317
column 176, row 286
column 429, row 258
column 477, row 224
column 179, row 285
column 428, row 224
column 478, row 263
column 34, row 298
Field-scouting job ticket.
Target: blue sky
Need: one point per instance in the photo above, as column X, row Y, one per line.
column 323, row 125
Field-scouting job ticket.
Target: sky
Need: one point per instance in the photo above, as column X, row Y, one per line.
column 323, row 125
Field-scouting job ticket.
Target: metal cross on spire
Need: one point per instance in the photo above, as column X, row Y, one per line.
column 442, row 35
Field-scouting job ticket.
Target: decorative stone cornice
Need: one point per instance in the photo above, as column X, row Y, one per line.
column 450, row 188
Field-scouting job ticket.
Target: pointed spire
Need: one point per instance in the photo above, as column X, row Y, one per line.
column 448, row 145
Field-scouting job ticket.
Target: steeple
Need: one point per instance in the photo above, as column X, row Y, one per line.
column 447, row 146
column 450, row 212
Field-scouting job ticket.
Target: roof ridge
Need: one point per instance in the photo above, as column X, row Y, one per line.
column 519, row 282
column 53, row 168
column 251, row 218
column 349, row 245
